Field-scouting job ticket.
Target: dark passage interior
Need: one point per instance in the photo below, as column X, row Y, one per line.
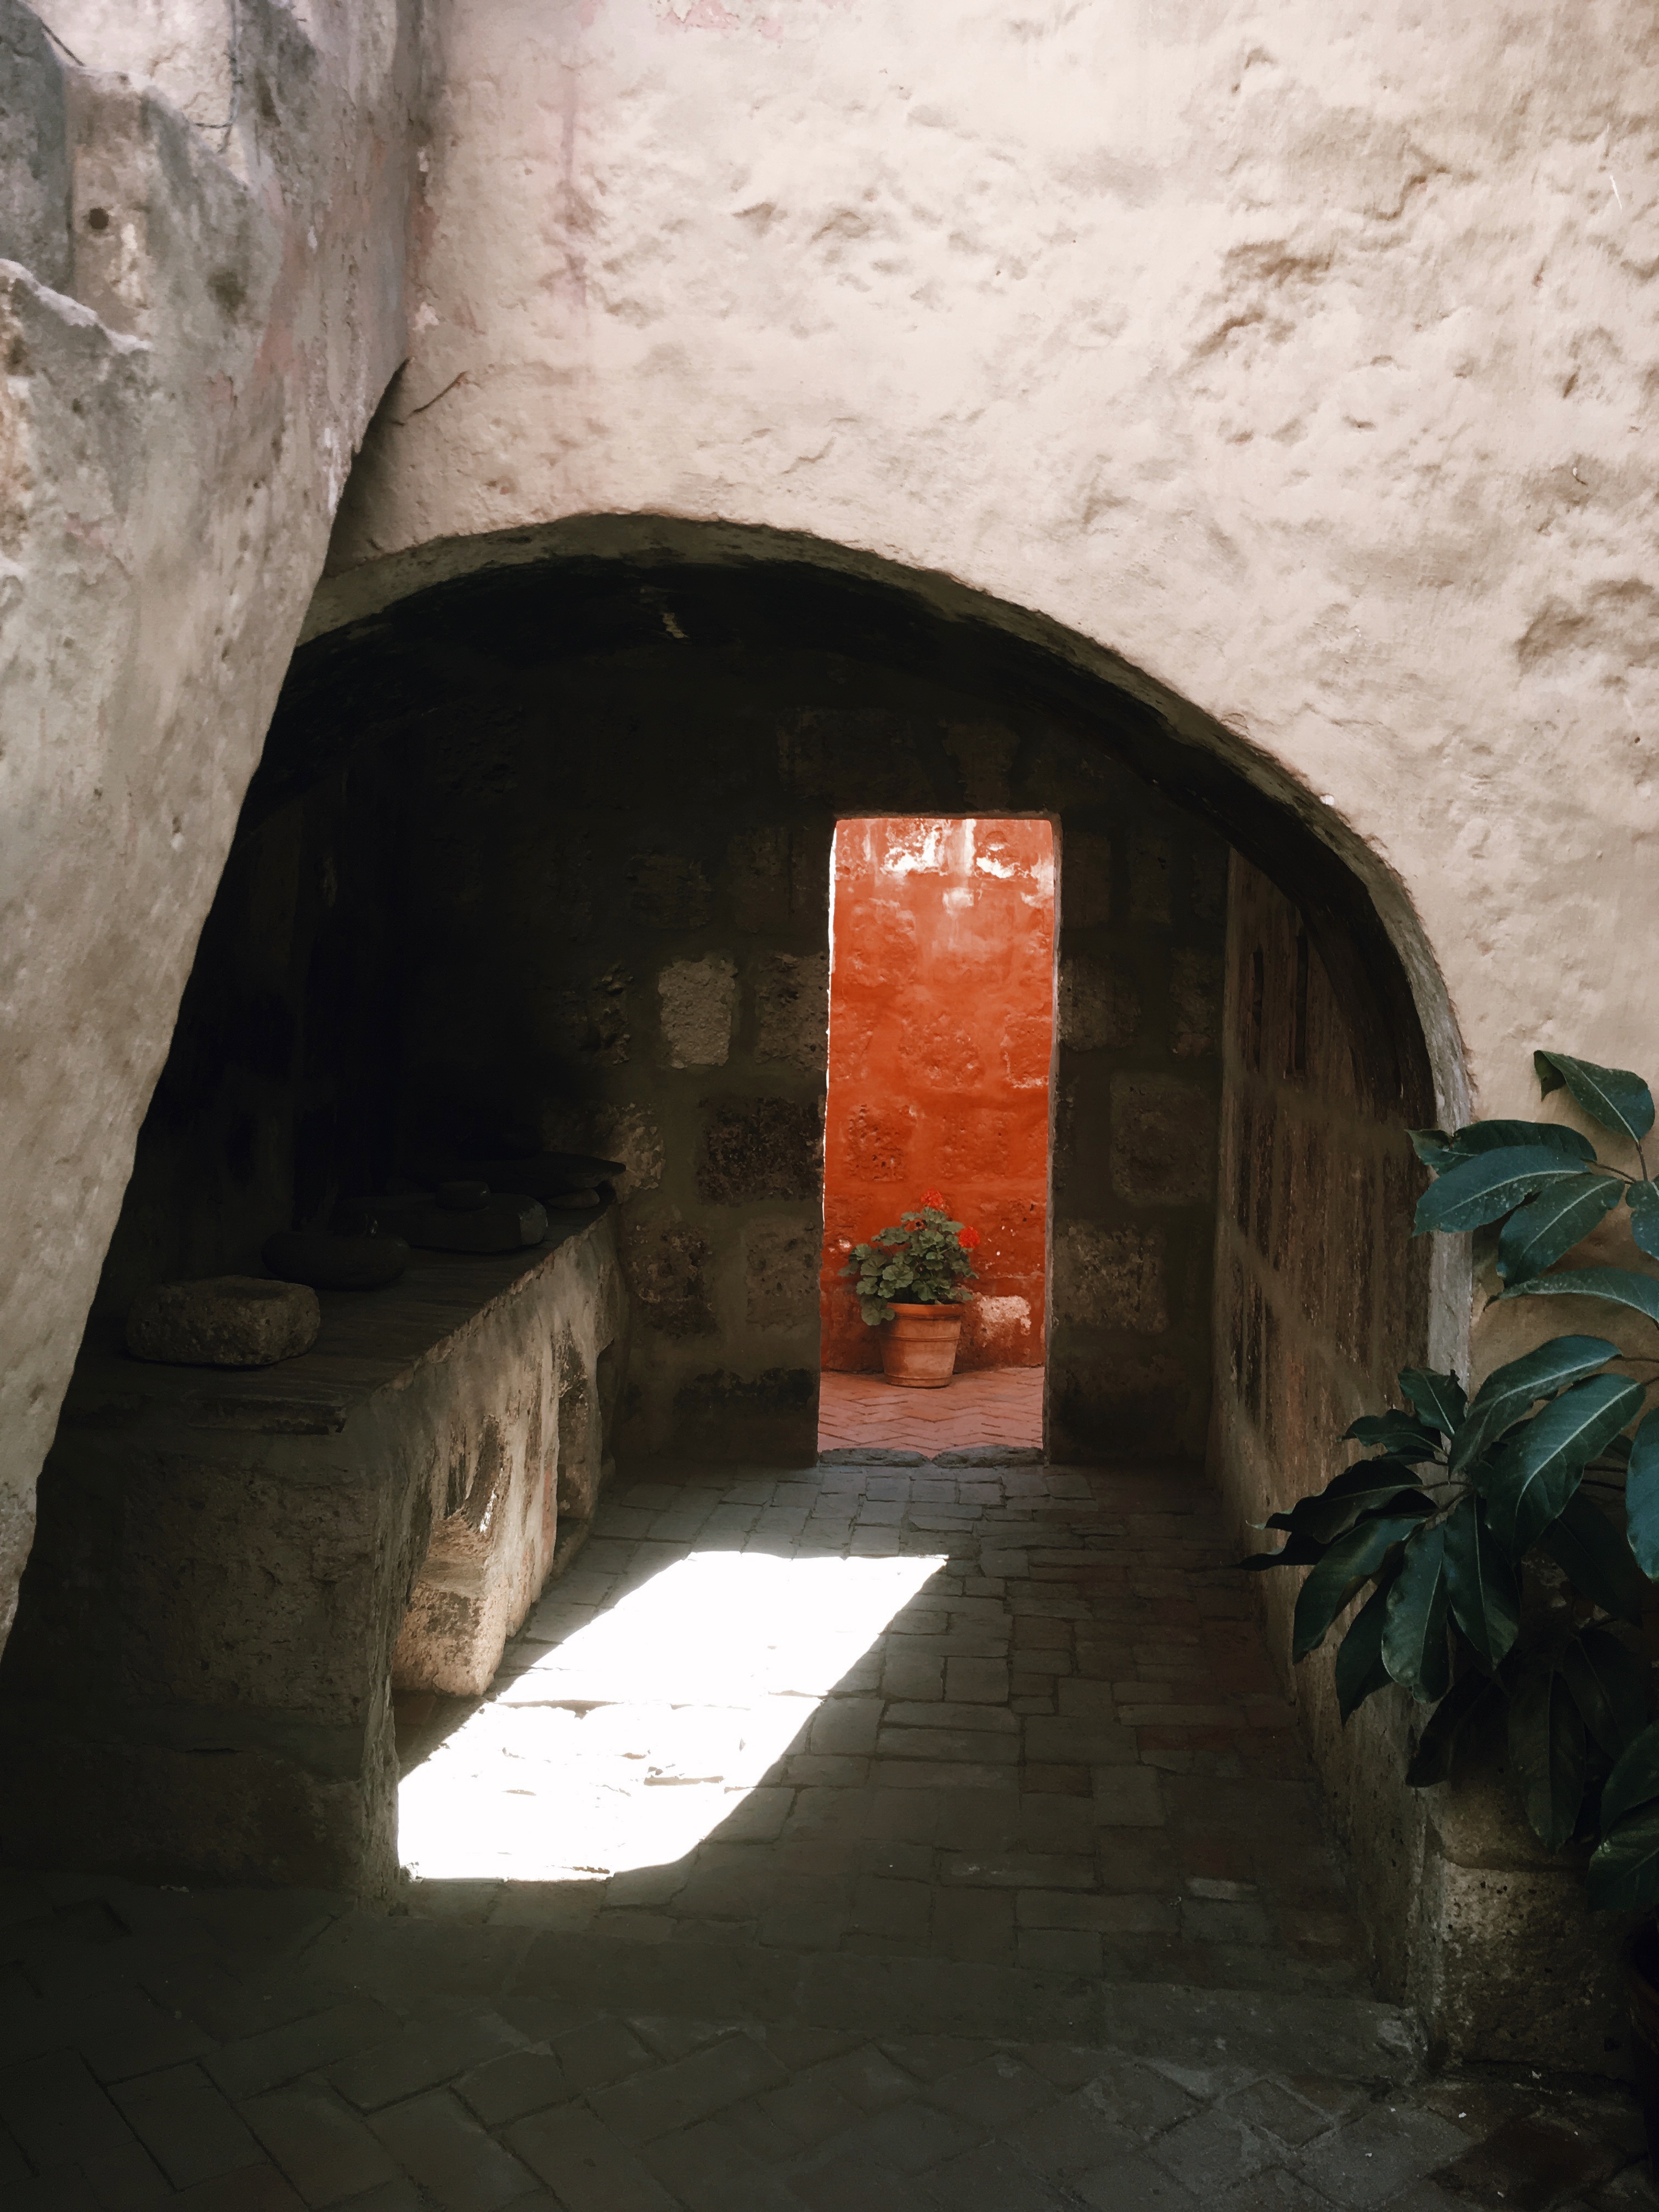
column 541, row 860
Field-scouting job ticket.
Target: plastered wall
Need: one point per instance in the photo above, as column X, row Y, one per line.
column 196, row 323
column 941, row 1043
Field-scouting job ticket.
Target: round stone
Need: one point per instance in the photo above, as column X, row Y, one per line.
column 223, row 1321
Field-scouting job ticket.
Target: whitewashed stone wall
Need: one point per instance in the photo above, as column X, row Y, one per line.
column 196, row 323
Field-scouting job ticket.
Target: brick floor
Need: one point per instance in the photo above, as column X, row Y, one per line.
column 1027, row 1909
column 985, row 1405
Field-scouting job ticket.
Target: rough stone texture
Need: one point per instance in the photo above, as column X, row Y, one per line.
column 791, row 1009
column 1163, row 1139
column 1324, row 1297
column 759, row 1148
column 522, row 937
column 1111, row 1278
column 780, row 1276
column 228, row 1321
column 197, row 323
column 699, row 1004
column 230, row 1575
column 667, row 1261
column 489, row 2039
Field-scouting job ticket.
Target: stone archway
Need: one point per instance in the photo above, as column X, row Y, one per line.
column 502, row 820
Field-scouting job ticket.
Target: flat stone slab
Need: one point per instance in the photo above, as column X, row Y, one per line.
column 367, row 1341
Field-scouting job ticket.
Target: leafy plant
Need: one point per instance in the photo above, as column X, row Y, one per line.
column 922, row 1260
column 1460, row 1495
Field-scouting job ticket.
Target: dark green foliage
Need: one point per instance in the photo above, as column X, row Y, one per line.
column 1641, row 1496
column 1483, row 1586
column 1359, row 1665
column 1546, row 1743
column 1469, row 1696
column 1538, row 1468
column 1595, row 1559
column 1609, row 1687
column 1437, row 1527
column 1414, row 1649
column 1440, row 1399
column 1472, row 1193
column 1620, row 1286
column 1439, row 1152
column 1539, row 1235
column 1622, row 1875
column 1509, row 1393
column 1613, row 1097
column 1346, row 1568
column 921, row 1260
column 1402, row 1434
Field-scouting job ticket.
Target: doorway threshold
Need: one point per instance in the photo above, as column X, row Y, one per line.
column 997, row 1408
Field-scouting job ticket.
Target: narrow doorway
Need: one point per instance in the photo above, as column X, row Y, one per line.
column 941, row 1045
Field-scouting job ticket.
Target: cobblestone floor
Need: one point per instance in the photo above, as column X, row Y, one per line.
column 1030, row 1912
column 983, row 1406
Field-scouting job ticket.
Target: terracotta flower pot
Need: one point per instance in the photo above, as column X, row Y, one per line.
column 918, row 1345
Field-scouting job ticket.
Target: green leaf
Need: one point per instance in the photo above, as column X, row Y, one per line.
column 1546, row 1744
column 1498, row 1136
column 1543, row 1232
column 1539, row 1466
column 1641, row 1496
column 1414, row 1635
column 1300, row 1550
column 1432, row 1147
column 1486, row 1592
column 1596, row 1558
column 1623, row 1874
column 1623, row 1285
column 1359, row 1668
column 1404, row 1435
column 1431, row 1761
column 1368, row 1486
column 1609, row 1688
column 1491, row 1184
column 1644, row 1198
column 1509, row 1393
column 1439, row 1398
column 1635, row 1780
column 1350, row 1562
column 1613, row 1097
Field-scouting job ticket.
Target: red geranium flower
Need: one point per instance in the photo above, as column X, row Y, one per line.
column 969, row 1240
column 934, row 1198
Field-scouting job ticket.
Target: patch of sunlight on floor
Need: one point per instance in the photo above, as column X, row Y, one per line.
column 628, row 1743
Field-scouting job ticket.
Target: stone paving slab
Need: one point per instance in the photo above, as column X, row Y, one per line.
column 623, row 2075
column 901, row 1969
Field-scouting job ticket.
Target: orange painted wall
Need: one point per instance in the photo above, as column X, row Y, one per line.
column 941, row 1034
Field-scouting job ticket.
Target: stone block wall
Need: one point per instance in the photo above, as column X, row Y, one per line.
column 1321, row 1298
column 1142, row 911
column 277, row 1094
column 619, row 789
column 234, row 1567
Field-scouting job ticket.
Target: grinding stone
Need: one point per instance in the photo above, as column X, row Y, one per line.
column 223, row 1321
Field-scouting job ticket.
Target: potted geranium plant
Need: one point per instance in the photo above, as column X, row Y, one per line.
column 912, row 1282
column 1547, row 1481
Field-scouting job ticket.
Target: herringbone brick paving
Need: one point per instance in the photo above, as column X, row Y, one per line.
column 911, row 1976
column 981, row 1406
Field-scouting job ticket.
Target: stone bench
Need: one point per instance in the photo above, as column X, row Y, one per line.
column 232, row 1569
